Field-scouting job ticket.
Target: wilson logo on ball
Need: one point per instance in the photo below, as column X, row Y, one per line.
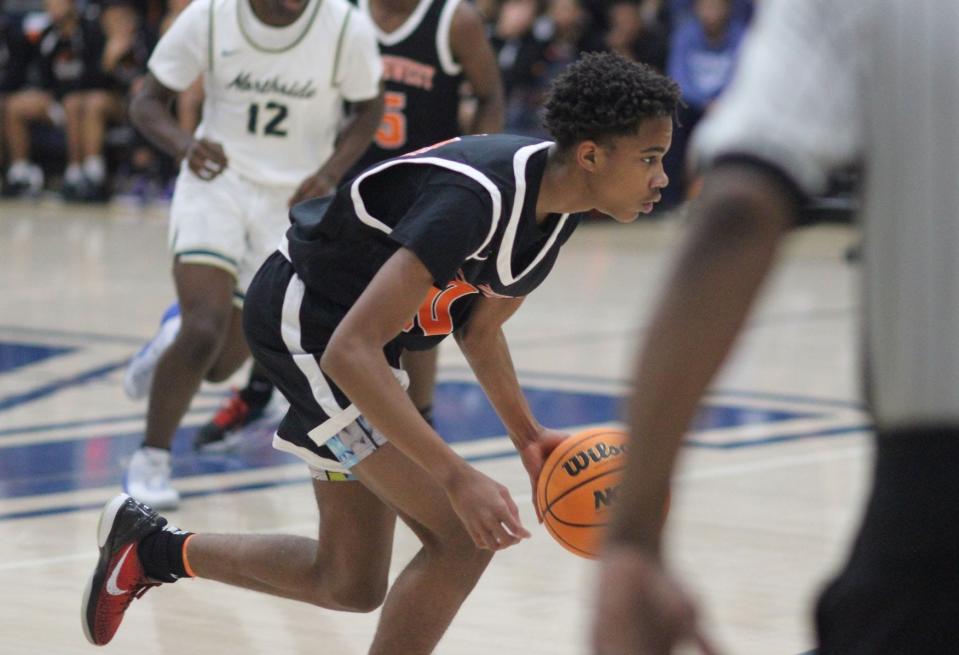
column 595, row 454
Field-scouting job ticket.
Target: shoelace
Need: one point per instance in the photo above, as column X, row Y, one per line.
column 139, row 593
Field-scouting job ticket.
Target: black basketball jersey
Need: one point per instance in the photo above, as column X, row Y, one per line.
column 421, row 82
column 71, row 62
column 466, row 208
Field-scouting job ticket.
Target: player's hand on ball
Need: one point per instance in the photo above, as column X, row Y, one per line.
column 641, row 608
column 486, row 509
column 535, row 453
column 206, row 159
column 315, row 186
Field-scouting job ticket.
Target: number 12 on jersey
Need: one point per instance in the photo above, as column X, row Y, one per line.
column 275, row 112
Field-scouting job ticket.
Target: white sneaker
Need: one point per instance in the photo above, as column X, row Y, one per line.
column 25, row 178
column 139, row 376
column 148, row 478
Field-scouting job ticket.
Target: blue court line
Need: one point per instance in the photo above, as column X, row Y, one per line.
column 15, row 355
column 76, row 336
column 253, row 486
column 490, row 456
column 47, row 427
column 732, row 445
column 53, row 387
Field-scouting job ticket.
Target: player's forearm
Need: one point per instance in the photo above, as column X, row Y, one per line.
column 361, row 371
column 488, row 355
column 151, row 115
column 490, row 114
column 714, row 283
column 355, row 138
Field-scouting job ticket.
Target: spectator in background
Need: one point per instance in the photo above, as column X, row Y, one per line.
column 569, row 30
column 702, row 59
column 548, row 43
column 636, row 33
column 678, row 12
column 131, row 32
column 14, row 58
column 518, row 52
column 127, row 46
column 74, row 91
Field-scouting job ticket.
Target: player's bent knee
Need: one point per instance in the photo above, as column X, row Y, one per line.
column 220, row 373
column 202, row 337
column 360, row 599
column 457, row 548
column 347, row 593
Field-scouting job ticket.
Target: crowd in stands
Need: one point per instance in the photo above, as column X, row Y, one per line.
column 68, row 68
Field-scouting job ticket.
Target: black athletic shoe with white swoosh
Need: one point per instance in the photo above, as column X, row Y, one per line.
column 119, row 577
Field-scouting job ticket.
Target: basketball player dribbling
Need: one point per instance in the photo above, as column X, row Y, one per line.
column 446, row 240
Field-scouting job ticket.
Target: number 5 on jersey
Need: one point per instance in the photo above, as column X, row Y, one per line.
column 392, row 131
column 435, row 316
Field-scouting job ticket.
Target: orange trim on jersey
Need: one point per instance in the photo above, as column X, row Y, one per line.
column 434, row 316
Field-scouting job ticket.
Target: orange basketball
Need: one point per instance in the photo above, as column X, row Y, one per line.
column 577, row 487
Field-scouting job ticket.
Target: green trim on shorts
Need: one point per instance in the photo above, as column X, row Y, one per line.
column 199, row 252
column 208, row 258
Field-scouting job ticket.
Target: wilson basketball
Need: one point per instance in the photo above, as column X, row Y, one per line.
column 576, row 489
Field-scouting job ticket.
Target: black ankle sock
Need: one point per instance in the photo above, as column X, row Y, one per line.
column 161, row 554
column 258, row 391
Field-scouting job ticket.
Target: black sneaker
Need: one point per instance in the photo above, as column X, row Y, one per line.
column 222, row 432
column 119, row 577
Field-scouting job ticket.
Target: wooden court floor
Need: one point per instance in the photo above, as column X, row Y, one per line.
column 772, row 481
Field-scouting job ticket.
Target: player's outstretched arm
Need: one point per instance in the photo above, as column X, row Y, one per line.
column 740, row 219
column 354, row 360
column 150, row 113
column 485, row 348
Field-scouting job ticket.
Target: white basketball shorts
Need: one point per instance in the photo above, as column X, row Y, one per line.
column 229, row 222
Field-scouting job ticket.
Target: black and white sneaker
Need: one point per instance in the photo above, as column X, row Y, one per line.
column 119, row 577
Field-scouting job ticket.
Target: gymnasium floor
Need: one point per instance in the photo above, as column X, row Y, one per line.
column 772, row 483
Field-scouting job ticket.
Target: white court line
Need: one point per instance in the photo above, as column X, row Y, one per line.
column 777, row 463
column 91, row 554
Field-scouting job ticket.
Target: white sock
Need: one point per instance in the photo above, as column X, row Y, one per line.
column 94, row 168
column 157, row 454
column 73, row 174
column 18, row 170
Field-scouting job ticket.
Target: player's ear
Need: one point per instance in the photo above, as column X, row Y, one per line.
column 587, row 155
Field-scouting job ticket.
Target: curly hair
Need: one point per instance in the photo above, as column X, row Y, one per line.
column 604, row 95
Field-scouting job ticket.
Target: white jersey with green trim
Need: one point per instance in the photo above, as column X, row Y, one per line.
column 826, row 83
column 273, row 95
